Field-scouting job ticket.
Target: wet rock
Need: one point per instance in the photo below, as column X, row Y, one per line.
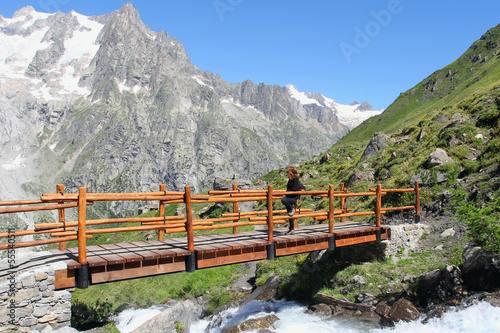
column 440, row 285
column 386, row 322
column 481, row 269
column 436, row 312
column 382, row 309
column 404, row 310
column 370, row 317
column 366, row 298
column 267, row 291
column 320, row 309
column 343, row 303
column 493, row 299
column 260, row 324
column 165, row 321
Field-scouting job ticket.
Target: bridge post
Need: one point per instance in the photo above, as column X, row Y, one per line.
column 83, row 272
column 161, row 213
column 189, row 218
column 343, row 202
column 331, row 196
column 417, row 203
column 236, row 208
column 270, row 224
column 62, row 217
column 191, row 259
column 378, row 206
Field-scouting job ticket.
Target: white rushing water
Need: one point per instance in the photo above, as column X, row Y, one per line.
column 130, row 319
column 478, row 318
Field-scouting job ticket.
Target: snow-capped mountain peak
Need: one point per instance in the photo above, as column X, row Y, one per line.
column 350, row 115
column 47, row 52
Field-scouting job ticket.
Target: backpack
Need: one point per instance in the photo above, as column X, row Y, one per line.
column 301, row 188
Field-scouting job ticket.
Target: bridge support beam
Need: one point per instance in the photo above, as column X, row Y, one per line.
column 271, row 251
column 417, row 203
column 331, row 243
column 379, row 235
column 191, row 262
column 83, row 277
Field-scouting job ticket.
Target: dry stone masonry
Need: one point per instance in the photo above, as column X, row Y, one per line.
column 404, row 237
column 29, row 301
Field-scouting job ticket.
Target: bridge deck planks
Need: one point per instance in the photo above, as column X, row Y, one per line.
column 110, row 262
column 69, row 258
column 100, row 255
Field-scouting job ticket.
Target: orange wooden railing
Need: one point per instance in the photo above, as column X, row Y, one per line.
column 63, row 231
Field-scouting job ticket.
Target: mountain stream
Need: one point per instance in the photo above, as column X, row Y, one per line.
column 293, row 317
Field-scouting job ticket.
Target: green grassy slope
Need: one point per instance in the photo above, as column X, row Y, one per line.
column 476, row 71
column 456, row 109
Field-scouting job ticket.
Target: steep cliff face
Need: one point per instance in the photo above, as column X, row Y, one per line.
column 106, row 103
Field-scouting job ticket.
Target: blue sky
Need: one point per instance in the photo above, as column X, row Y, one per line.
column 348, row 50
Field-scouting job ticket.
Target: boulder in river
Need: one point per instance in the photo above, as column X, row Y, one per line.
column 170, row 319
column 261, row 323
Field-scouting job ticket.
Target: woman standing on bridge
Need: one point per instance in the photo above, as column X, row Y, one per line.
column 290, row 200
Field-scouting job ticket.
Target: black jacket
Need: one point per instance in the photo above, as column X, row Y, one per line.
column 294, row 185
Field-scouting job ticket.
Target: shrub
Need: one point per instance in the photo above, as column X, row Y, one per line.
column 85, row 317
column 483, row 223
column 469, row 167
column 492, row 149
column 179, row 327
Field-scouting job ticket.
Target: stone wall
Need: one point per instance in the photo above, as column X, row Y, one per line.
column 403, row 237
column 29, row 301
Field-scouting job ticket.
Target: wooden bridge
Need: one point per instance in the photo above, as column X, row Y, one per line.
column 95, row 264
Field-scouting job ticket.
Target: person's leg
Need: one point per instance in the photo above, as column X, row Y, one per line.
column 288, row 202
column 291, row 229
